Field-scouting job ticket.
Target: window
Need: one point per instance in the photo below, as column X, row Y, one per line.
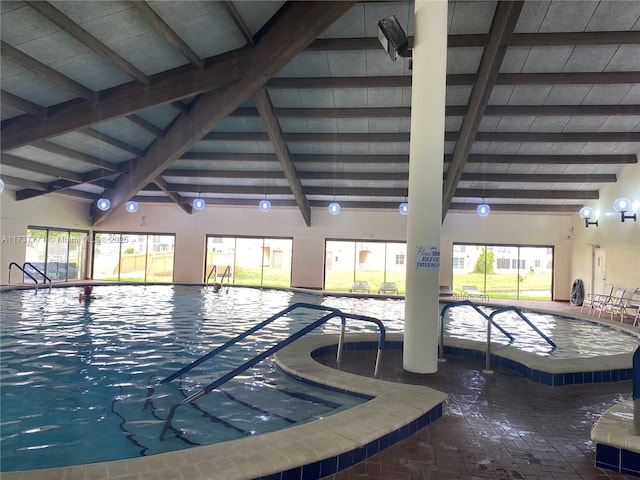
column 133, row 257
column 518, row 271
column 373, row 262
column 458, row 263
column 249, row 261
column 57, row 253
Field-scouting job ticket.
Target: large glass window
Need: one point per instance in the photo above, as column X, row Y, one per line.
column 347, row 262
column 133, row 257
column 249, row 261
column 59, row 254
column 505, row 271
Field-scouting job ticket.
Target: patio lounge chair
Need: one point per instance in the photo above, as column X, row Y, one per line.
column 360, row 286
column 445, row 291
column 616, row 305
column 597, row 299
column 388, row 287
column 628, row 306
column 472, row 291
column 633, row 305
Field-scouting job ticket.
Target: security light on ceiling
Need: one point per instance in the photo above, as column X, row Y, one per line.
column 393, row 39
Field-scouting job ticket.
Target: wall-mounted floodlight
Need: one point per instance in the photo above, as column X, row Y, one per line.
column 393, row 39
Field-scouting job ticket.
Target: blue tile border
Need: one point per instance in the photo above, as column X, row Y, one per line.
column 331, row 465
column 545, row 378
column 617, row 459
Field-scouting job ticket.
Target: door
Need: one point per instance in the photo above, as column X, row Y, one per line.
column 598, row 273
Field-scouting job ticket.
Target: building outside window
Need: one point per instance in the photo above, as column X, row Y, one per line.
column 249, row 261
column 58, row 253
column 347, row 262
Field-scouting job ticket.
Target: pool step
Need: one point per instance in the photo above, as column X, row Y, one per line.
column 239, row 410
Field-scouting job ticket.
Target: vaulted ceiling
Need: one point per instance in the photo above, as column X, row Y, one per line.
column 166, row 101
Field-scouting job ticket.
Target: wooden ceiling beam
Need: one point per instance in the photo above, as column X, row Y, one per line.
column 480, row 40
column 149, row 127
column 75, row 155
column 123, row 100
column 167, row 32
column 295, row 26
column 263, row 104
column 502, row 27
column 553, row 159
column 109, row 140
column 175, row 197
column 24, row 183
column 518, row 207
column 539, row 178
column 23, row 105
column 46, row 72
column 58, row 18
column 21, row 163
column 539, row 194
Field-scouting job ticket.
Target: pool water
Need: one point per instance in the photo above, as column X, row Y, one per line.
column 74, row 375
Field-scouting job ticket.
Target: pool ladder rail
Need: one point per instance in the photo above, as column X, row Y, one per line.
column 24, row 272
column 218, row 285
column 490, row 321
column 332, row 313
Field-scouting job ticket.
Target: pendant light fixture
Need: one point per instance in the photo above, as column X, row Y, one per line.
column 131, row 206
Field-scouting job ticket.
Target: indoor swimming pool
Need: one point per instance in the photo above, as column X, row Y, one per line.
column 75, row 375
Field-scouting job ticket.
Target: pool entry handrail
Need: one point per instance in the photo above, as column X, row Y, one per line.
column 490, row 321
column 218, row 285
column 332, row 313
column 518, row 312
column 14, row 264
column 44, row 277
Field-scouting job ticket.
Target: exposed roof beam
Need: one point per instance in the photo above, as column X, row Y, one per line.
column 295, row 26
column 60, row 185
column 149, row 127
column 451, row 110
column 46, row 72
column 238, row 21
column 82, row 157
column 480, row 40
column 377, row 191
column 58, row 18
column 504, row 22
column 518, row 207
column 23, row 105
column 539, row 178
column 114, row 142
column 162, row 185
column 449, row 137
column 167, row 32
column 461, row 79
column 393, row 176
column 125, row 100
column 21, row 182
column 541, row 194
column 265, row 108
column 21, row 163
column 553, row 159
column 400, row 158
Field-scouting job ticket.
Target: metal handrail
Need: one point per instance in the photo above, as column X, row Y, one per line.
column 24, row 272
column 214, row 271
column 490, row 322
column 45, row 278
column 527, row 321
column 333, row 313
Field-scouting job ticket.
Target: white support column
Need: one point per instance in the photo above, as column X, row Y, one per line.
column 425, row 186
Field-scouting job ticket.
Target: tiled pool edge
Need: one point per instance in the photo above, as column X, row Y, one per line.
column 308, row 451
column 617, row 445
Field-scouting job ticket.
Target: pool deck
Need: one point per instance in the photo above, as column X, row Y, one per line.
column 497, row 425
